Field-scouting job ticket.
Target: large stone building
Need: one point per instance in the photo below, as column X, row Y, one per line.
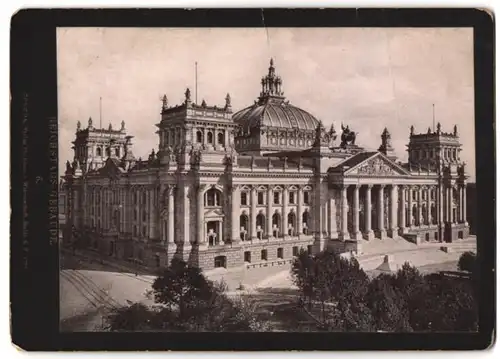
column 254, row 187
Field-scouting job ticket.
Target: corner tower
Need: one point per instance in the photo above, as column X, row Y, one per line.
column 93, row 146
column 424, row 149
column 192, row 132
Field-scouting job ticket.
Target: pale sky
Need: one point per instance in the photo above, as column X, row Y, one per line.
column 368, row 78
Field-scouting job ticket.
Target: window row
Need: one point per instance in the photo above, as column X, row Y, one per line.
column 277, row 198
column 247, row 255
column 210, row 138
column 98, row 151
column 213, row 196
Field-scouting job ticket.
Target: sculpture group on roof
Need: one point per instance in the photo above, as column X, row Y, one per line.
column 348, row 137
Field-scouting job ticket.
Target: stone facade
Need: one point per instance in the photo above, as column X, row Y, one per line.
column 217, row 194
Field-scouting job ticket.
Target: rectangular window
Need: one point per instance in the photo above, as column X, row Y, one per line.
column 244, row 199
column 306, row 197
column 280, row 253
column 263, row 255
column 276, row 198
column 291, row 198
column 295, row 251
column 414, row 195
column 248, row 256
column 260, row 198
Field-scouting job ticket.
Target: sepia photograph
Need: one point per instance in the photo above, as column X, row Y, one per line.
column 267, row 179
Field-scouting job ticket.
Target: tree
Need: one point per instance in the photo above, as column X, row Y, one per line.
column 187, row 301
column 467, row 262
column 387, row 305
column 448, row 305
column 338, row 285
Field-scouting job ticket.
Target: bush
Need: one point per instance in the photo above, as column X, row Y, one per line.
column 467, row 262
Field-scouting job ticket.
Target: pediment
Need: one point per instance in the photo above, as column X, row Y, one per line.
column 214, row 213
column 377, row 166
column 110, row 170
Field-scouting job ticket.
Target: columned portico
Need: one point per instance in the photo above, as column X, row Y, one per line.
column 369, row 235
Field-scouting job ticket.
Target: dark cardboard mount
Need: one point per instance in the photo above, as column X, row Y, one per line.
column 34, row 281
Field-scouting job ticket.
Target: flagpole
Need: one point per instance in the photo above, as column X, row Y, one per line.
column 196, row 82
column 433, row 119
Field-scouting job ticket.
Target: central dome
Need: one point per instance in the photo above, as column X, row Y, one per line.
column 272, row 113
column 272, row 110
column 272, row 124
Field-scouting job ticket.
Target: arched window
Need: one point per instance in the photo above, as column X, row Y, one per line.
column 291, row 223
column 108, row 152
column 212, row 198
column 276, row 219
column 99, row 151
column 210, row 138
column 220, row 138
column 243, row 226
column 199, row 137
column 261, row 221
column 305, row 222
column 117, row 152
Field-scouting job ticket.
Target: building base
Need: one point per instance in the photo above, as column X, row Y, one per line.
column 369, row 235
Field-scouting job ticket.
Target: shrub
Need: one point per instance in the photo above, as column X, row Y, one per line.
column 467, row 262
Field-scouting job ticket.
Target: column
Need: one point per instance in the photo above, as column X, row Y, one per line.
column 235, row 214
column 394, row 211
column 429, row 206
column 410, row 206
column 344, row 229
column 253, row 213
column 440, row 207
column 460, row 206
column 284, row 215
column 402, row 209
column 200, row 218
column 380, row 217
column 333, row 216
column 355, row 212
column 298, row 225
column 419, row 206
column 186, row 217
column 464, row 203
column 170, row 232
column 449, row 202
column 368, row 213
column 269, row 212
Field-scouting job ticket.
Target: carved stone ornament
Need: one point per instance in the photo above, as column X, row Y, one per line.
column 377, row 166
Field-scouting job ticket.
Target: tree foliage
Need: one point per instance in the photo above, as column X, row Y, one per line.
column 404, row 301
column 187, row 301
